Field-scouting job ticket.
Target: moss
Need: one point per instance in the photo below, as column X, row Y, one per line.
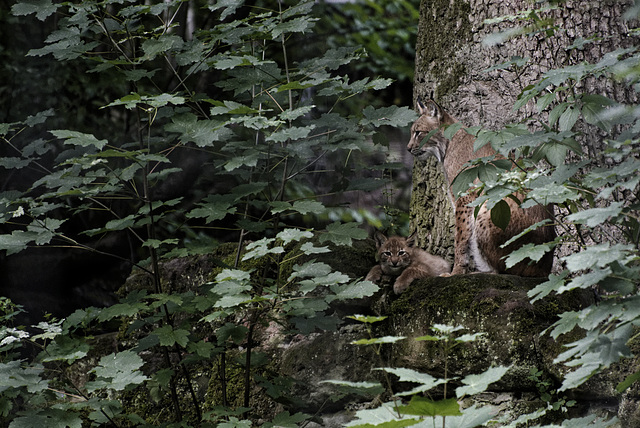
column 496, row 305
column 445, row 26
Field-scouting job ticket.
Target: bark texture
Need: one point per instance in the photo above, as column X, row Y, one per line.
column 451, row 64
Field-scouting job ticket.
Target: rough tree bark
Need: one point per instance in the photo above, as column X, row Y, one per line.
column 450, row 64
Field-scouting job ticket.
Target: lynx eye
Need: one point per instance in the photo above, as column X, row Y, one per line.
column 387, row 253
column 402, row 252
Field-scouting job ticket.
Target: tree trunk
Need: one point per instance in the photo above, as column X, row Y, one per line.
column 451, row 64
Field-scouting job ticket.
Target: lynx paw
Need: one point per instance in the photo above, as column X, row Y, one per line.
column 400, row 286
column 374, row 275
column 459, row 270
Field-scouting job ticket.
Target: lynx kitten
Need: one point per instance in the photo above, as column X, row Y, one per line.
column 399, row 259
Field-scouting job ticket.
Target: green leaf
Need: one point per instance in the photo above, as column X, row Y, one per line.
column 261, row 248
column 310, row 269
column 464, row 180
column 293, row 114
column 156, row 101
column 501, row 214
column 473, row 416
column 289, row 235
column 13, row 375
column 426, row 381
column 14, row 162
column 451, row 130
column 309, row 248
column 17, row 241
column 516, row 61
column 568, row 118
column 598, row 255
column 124, row 309
column 423, row 406
column 384, row 416
column 593, row 217
column 79, row 138
column 231, row 107
column 30, row 421
column 215, row 207
column 578, row 377
column 387, row 116
column 117, row 371
column 202, row 349
column 201, row 132
column 303, row 207
column 167, row 336
column 308, row 325
column 331, row 279
column 545, row 100
column 554, row 152
column 343, row 233
column 475, row 384
column 627, row 382
column 42, row 8
column 164, row 43
column 248, row 158
column 295, row 25
column 567, row 322
column 367, row 319
column 293, row 133
column 528, row 251
column 287, row 420
column 378, row 340
column 230, row 7
column 594, row 107
column 232, row 278
column 526, row 231
column 236, row 333
column 65, row 348
column 354, row 290
column 469, row 337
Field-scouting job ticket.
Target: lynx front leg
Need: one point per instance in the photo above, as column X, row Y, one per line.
column 462, row 237
column 375, row 274
column 405, row 279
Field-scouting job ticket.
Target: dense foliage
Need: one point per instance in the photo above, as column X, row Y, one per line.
column 232, row 131
column 237, row 96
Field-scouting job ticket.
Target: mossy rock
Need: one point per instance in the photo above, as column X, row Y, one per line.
column 496, row 305
column 319, row 357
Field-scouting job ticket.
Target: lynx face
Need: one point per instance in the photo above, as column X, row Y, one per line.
column 395, row 256
column 429, row 120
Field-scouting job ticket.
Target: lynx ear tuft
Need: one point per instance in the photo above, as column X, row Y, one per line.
column 411, row 239
column 429, row 108
column 380, row 238
column 433, row 109
column 420, row 106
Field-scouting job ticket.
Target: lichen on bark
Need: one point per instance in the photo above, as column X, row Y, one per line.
column 444, row 28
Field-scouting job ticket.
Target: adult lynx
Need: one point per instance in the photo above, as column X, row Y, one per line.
column 478, row 235
column 399, row 259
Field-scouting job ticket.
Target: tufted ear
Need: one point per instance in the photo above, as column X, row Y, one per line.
column 380, row 238
column 429, row 108
column 411, row 239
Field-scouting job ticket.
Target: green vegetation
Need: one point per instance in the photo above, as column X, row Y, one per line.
column 237, row 99
column 242, row 99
